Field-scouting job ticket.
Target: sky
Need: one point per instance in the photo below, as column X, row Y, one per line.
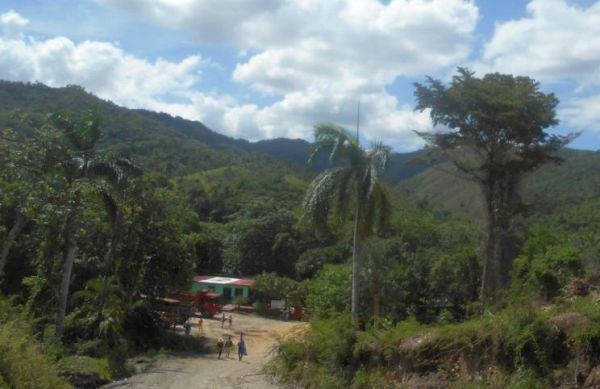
column 274, row 68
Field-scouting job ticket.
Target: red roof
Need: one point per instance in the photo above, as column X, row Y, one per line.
column 245, row 282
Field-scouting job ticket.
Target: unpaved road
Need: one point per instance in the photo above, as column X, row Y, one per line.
column 206, row 371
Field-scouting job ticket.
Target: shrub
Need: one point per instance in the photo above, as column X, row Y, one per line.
column 329, row 292
column 323, row 357
column 547, row 272
column 143, row 327
column 23, row 363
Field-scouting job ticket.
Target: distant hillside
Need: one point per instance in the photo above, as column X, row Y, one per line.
column 159, row 141
column 296, row 150
column 574, row 181
column 179, row 147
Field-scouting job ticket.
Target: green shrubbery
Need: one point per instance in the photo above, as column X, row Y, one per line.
column 545, row 267
column 23, row 360
column 523, row 344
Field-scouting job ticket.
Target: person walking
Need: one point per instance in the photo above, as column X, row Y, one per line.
column 228, row 346
column 220, row 345
column 242, row 347
column 200, row 325
column 223, row 320
column 230, row 320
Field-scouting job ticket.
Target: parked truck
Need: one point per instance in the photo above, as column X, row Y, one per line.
column 176, row 308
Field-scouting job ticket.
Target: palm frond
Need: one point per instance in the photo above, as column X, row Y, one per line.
column 90, row 126
column 107, row 170
column 320, row 197
column 110, row 204
column 64, row 124
column 377, row 210
column 335, row 141
column 128, row 167
column 73, row 167
column 379, row 155
column 343, row 193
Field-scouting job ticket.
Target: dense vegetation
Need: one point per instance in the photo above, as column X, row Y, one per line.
column 529, row 320
column 167, row 198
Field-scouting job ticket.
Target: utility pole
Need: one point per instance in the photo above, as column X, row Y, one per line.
column 357, row 121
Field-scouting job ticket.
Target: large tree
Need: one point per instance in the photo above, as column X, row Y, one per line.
column 26, row 181
column 85, row 172
column 495, row 133
column 354, row 180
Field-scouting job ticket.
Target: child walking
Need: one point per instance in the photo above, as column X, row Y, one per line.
column 241, row 347
column 220, row 345
column 228, row 346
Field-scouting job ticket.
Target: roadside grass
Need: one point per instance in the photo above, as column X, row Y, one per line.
column 24, row 363
column 522, row 346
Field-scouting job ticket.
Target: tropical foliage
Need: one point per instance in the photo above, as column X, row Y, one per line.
column 355, row 180
column 497, row 135
column 132, row 203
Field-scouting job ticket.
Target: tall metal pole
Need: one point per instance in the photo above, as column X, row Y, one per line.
column 357, row 120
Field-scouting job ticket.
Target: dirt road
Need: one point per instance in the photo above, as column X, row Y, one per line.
column 206, row 371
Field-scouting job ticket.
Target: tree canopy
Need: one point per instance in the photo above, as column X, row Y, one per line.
column 495, row 134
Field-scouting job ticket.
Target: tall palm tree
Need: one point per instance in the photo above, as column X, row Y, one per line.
column 82, row 166
column 353, row 179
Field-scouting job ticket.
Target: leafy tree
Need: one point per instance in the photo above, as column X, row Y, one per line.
column 82, row 167
column 272, row 286
column 26, row 180
column 382, row 257
column 106, row 298
column 496, row 135
column 261, row 244
column 354, row 179
column 312, row 260
column 158, row 253
column 328, row 291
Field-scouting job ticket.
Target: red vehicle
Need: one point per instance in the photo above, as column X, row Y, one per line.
column 204, row 301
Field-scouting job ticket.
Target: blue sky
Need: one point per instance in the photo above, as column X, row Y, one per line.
column 271, row 68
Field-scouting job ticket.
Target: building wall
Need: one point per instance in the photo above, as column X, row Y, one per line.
column 219, row 288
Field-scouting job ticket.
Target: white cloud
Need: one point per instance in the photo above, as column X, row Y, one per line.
column 316, row 57
column 100, row 67
column 241, row 21
column 320, row 57
column 13, row 24
column 582, row 114
column 558, row 41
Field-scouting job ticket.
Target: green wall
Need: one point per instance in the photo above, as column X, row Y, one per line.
column 219, row 288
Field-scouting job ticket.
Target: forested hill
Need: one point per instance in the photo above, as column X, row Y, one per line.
column 174, row 146
column 575, row 181
column 160, row 142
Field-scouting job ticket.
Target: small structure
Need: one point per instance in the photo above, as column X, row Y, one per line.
column 230, row 288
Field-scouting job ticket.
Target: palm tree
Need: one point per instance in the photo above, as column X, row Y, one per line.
column 106, row 296
column 352, row 179
column 82, row 167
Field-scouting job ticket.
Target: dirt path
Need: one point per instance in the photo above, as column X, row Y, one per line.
column 206, row 371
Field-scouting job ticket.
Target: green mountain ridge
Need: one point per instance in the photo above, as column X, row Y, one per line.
column 159, row 141
column 178, row 147
column 574, row 181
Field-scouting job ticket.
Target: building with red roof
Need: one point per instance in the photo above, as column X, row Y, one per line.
column 230, row 288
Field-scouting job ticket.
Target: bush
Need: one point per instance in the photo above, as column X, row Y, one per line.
column 526, row 340
column 323, row 357
column 527, row 379
column 23, row 363
column 260, row 307
column 143, row 327
column 329, row 292
column 547, row 272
